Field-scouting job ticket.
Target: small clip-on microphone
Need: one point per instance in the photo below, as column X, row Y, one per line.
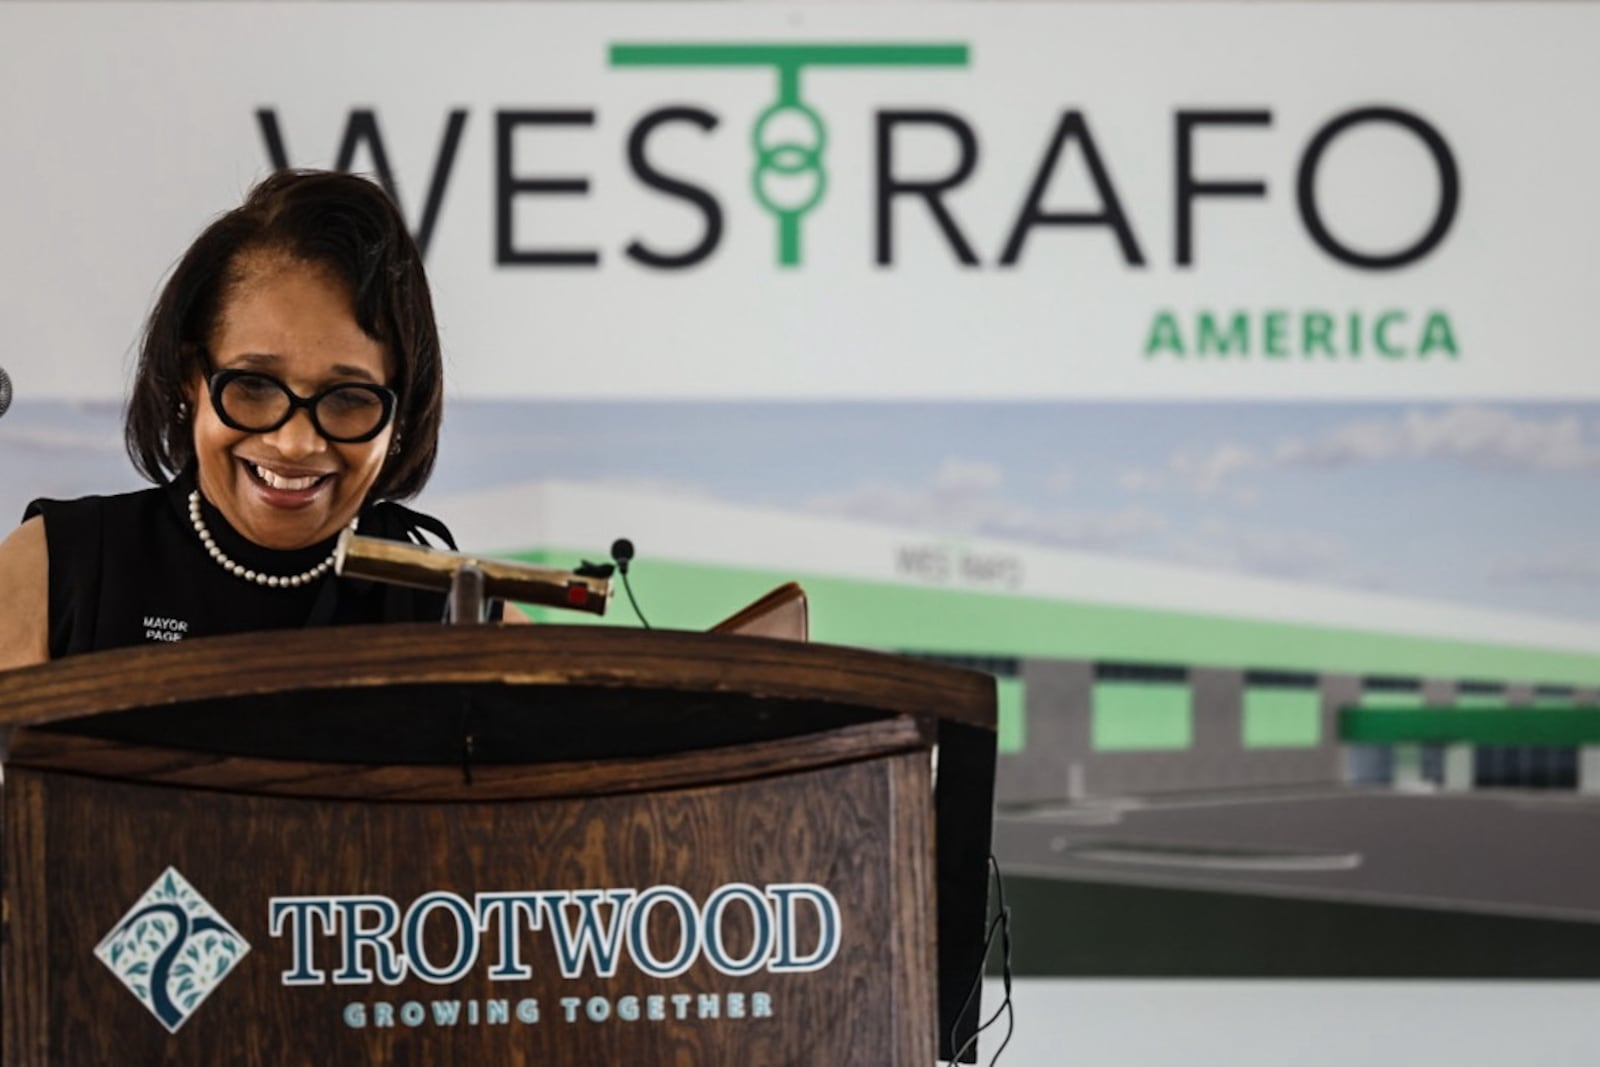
column 622, row 555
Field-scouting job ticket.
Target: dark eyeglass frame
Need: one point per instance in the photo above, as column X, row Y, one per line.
column 217, row 381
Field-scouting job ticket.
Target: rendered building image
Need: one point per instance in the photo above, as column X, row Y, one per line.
column 1373, row 786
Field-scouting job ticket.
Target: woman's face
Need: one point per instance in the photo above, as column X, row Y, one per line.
column 291, row 487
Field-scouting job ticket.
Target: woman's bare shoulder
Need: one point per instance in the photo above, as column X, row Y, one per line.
column 25, row 594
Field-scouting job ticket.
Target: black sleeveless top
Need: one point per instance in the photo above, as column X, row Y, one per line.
column 130, row 569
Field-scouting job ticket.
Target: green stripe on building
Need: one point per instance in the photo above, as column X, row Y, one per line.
column 873, row 614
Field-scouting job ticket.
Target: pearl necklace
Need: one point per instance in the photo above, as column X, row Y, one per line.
column 292, row 581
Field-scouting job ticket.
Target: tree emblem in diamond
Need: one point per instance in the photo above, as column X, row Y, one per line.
column 172, row 949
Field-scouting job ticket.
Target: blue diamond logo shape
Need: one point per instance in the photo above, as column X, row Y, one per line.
column 172, row 949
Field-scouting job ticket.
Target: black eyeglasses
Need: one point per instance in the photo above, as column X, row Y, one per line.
column 348, row 413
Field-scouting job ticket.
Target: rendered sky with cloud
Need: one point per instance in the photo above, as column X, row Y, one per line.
column 1494, row 505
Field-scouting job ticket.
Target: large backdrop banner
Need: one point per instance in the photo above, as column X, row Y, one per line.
column 941, row 200
column 1214, row 375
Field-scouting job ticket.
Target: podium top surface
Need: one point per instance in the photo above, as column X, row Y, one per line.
column 387, row 659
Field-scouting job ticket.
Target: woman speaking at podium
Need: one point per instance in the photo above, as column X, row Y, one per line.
column 288, row 386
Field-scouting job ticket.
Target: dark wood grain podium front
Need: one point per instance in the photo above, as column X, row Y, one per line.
column 484, row 845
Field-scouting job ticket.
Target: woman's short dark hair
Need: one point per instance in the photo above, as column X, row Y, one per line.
column 338, row 221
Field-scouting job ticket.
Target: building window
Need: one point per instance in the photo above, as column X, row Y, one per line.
column 1012, row 697
column 1141, row 709
column 1525, row 767
column 1385, row 692
column 1280, row 711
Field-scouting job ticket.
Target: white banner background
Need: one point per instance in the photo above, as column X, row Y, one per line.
column 127, row 125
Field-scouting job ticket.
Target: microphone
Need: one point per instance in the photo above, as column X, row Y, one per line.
column 622, row 555
column 5, row 391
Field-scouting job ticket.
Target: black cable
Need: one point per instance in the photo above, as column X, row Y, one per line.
column 627, row 588
column 1005, row 1005
column 1001, row 923
column 972, row 991
column 1005, row 962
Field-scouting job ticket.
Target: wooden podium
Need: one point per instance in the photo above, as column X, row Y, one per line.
column 484, row 845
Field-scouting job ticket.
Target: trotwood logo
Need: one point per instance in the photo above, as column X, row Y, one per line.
column 172, row 949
